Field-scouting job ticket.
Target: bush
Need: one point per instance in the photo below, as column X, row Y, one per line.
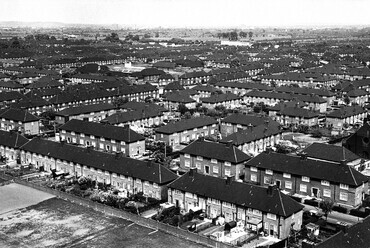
column 312, row 203
column 87, row 192
column 298, row 199
column 112, row 200
column 340, row 209
column 358, row 213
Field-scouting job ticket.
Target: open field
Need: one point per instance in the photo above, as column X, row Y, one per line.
column 15, row 196
column 59, row 223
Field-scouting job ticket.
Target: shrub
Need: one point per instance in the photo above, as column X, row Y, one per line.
column 340, row 209
column 312, row 203
column 112, row 200
column 87, row 192
column 358, row 213
column 298, row 199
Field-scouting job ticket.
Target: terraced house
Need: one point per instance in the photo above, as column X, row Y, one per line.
column 255, row 140
column 126, row 174
column 227, row 100
column 212, row 158
column 20, row 120
column 186, row 130
column 137, row 118
column 10, row 143
column 297, row 116
column 92, row 112
column 346, row 115
column 102, row 137
column 303, row 177
column 258, row 207
column 236, row 122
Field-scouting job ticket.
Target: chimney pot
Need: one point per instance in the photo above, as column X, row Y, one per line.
column 192, row 172
column 303, row 156
column 229, row 179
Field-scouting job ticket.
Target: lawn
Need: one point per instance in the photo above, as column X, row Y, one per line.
column 14, row 196
column 58, row 223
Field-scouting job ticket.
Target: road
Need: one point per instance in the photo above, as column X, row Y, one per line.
column 334, row 216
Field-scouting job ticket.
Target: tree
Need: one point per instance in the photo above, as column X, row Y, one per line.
column 118, row 102
column 182, row 109
column 113, row 37
column 233, row 35
column 327, row 206
column 347, row 100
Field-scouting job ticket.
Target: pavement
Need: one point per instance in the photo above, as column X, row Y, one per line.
column 335, row 216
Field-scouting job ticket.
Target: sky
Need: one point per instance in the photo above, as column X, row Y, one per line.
column 190, row 13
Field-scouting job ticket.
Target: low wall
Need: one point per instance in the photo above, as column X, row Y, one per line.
column 176, row 231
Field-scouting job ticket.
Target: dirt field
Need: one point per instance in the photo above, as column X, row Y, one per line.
column 58, row 223
column 15, row 196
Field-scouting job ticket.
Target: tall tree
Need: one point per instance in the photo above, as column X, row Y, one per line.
column 327, row 207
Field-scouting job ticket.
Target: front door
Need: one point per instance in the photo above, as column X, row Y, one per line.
column 315, row 192
column 278, row 183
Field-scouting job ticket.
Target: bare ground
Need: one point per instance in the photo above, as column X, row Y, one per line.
column 59, row 223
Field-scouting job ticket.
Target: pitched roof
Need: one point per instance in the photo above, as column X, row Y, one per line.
column 330, row 152
column 179, row 97
column 174, row 86
column 102, row 130
column 134, row 105
column 214, row 150
column 241, row 194
column 346, row 111
column 83, row 109
column 143, row 170
column 186, row 124
column 357, row 92
column 255, row 133
column 321, row 170
column 12, row 139
column 9, row 96
column 245, row 120
column 219, row 98
column 123, row 117
column 298, row 112
column 17, row 115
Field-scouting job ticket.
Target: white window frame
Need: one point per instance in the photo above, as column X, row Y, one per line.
column 253, row 177
column 286, row 175
column 325, row 183
column 269, row 172
column 271, row 216
column 187, row 163
column 288, row 184
column 213, row 161
column 343, row 196
column 305, row 179
column 326, row 193
column 254, row 169
column 343, row 186
column 303, row 188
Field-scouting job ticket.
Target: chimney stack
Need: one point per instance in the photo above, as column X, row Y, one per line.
column 118, row 155
column 303, row 156
column 192, row 172
column 229, row 179
column 270, row 190
column 229, row 144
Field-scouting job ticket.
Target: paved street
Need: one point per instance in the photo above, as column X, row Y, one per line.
column 334, row 216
